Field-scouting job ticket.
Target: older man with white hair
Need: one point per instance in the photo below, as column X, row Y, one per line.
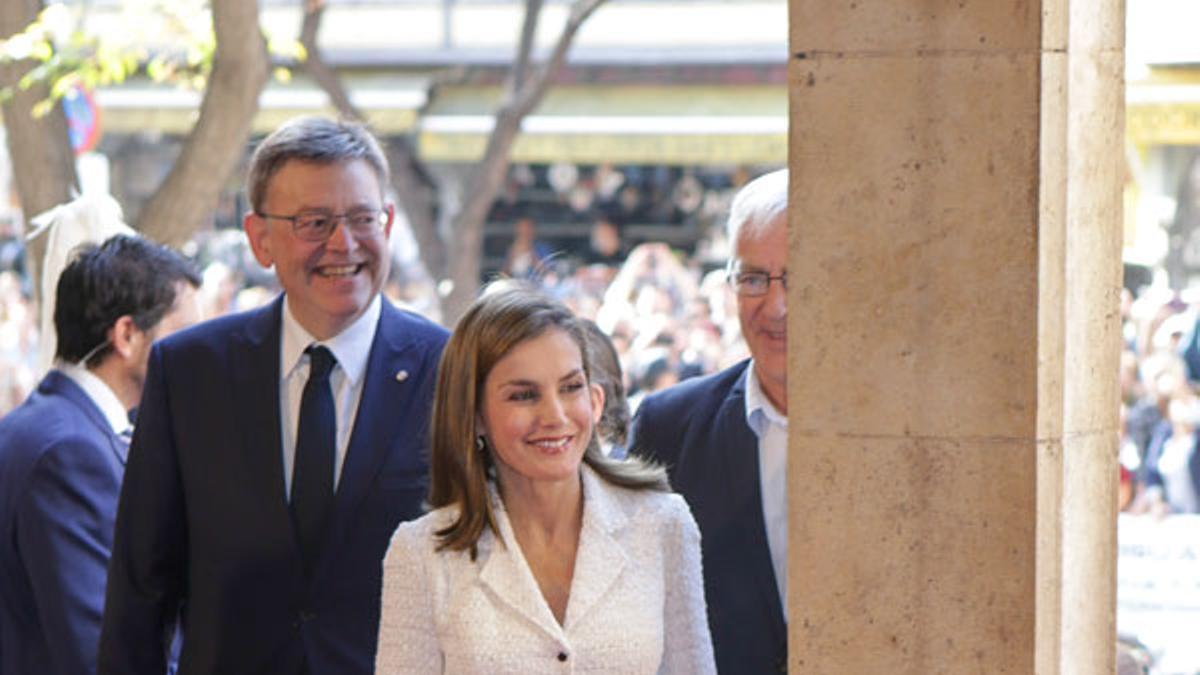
column 723, row 439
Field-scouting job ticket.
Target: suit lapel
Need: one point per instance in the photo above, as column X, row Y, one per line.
column 600, row 559
column 506, row 574
column 741, row 468
column 379, row 422
column 255, row 363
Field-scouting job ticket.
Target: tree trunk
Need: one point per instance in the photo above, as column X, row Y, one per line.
column 40, row 149
column 186, row 200
column 466, row 229
column 418, row 197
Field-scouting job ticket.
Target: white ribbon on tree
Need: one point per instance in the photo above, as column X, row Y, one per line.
column 91, row 218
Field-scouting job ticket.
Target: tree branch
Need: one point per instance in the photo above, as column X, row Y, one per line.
column 533, row 11
column 530, row 94
column 488, row 177
column 316, row 67
column 39, row 148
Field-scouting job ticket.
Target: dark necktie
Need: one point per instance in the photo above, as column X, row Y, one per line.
column 312, row 478
column 126, row 434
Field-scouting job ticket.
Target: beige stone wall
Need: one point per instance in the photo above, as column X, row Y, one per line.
column 952, row 274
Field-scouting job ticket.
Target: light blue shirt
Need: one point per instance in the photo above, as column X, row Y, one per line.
column 352, row 349
column 770, row 426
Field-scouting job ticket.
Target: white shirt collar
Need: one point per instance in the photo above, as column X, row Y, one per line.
column 759, row 408
column 351, row 347
column 100, row 393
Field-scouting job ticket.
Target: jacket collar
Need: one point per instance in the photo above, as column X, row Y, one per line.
column 599, row 560
column 58, row 384
column 254, row 360
column 740, row 467
column 100, row 393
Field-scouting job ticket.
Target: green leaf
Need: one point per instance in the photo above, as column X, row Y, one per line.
column 42, row 108
column 61, row 86
column 41, row 50
column 156, row 70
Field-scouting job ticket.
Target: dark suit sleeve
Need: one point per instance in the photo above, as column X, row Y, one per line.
column 64, row 535
column 646, row 432
column 148, row 568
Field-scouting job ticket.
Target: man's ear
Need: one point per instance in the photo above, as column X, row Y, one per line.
column 124, row 335
column 256, row 233
column 391, row 218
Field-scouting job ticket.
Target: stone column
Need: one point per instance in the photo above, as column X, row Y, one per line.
column 954, row 275
column 1083, row 88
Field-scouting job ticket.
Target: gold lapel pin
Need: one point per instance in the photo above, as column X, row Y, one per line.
column 401, row 375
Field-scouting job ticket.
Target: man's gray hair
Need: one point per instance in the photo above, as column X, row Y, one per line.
column 757, row 204
column 312, row 139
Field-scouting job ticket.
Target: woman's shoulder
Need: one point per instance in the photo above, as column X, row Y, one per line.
column 425, row 528
column 668, row 506
column 641, row 504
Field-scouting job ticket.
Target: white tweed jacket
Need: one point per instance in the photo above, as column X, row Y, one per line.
column 636, row 603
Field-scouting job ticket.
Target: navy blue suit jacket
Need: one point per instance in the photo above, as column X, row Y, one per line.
column 698, row 430
column 60, row 477
column 204, row 524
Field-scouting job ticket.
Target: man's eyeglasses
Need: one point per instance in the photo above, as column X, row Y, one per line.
column 317, row 226
column 754, row 284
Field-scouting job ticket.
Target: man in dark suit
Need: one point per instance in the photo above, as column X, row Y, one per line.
column 723, row 439
column 277, row 450
column 62, row 451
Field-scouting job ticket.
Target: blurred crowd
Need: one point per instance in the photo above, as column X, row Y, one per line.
column 667, row 318
column 1160, row 407
column 669, row 315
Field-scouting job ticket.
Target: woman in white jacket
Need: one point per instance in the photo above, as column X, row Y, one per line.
column 541, row 554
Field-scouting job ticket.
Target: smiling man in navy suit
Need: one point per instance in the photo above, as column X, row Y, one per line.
column 723, row 439
column 277, row 450
column 62, row 452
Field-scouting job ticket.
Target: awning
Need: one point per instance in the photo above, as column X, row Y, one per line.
column 589, row 124
column 1164, row 109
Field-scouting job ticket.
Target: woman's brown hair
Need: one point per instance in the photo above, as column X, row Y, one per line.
column 459, row 470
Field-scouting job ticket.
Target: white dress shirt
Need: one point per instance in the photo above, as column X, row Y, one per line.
column 100, row 393
column 352, row 349
column 636, row 602
column 770, row 426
